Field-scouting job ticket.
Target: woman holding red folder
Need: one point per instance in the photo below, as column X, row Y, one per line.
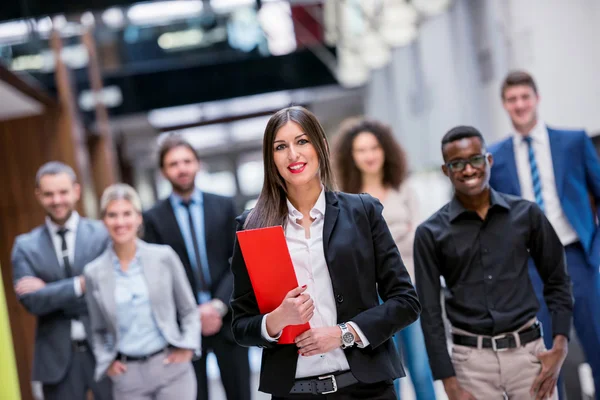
column 344, row 258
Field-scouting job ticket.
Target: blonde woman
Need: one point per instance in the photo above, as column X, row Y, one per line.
column 145, row 323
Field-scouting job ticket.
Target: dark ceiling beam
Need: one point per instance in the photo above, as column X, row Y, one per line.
column 27, row 85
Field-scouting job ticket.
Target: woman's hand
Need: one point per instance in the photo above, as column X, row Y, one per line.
column 297, row 308
column 319, row 341
column 179, row 356
column 116, row 368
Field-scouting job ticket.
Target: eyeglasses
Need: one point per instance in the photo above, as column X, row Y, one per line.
column 477, row 161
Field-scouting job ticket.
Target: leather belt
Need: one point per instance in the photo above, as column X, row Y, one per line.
column 501, row 342
column 324, row 384
column 125, row 358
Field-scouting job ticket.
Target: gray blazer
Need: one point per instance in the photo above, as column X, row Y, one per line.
column 171, row 298
column 56, row 304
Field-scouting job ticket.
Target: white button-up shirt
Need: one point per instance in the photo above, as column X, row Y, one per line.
column 543, row 157
column 77, row 328
column 308, row 257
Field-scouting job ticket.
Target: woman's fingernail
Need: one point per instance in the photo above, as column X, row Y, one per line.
column 303, row 286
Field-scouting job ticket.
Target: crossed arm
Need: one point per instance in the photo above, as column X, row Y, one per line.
column 41, row 298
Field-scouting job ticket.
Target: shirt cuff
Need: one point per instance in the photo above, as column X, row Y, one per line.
column 265, row 333
column 77, row 286
column 561, row 324
column 364, row 341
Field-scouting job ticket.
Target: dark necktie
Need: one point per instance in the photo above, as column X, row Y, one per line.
column 198, row 267
column 535, row 174
column 62, row 232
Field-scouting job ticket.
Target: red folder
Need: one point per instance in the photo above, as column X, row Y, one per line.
column 271, row 272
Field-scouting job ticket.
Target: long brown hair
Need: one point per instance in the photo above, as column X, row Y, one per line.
column 271, row 208
column 395, row 165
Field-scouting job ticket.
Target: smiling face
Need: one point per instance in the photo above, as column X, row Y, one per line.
column 295, row 156
column 122, row 221
column 521, row 102
column 367, row 153
column 468, row 178
column 58, row 195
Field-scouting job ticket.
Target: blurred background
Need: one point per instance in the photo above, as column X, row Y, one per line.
column 94, row 83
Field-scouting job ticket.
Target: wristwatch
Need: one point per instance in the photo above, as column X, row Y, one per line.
column 347, row 336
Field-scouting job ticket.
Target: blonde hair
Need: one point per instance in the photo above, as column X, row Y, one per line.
column 120, row 191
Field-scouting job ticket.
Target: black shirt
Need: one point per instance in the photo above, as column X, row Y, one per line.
column 484, row 264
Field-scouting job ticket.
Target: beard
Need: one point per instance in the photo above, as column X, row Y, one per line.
column 183, row 188
column 57, row 220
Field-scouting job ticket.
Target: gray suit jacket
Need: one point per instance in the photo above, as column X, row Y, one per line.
column 56, row 304
column 171, row 298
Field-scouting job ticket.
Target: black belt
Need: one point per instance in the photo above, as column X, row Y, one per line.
column 80, row 345
column 324, row 384
column 501, row 342
column 125, row 358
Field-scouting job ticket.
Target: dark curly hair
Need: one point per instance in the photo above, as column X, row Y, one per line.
column 349, row 177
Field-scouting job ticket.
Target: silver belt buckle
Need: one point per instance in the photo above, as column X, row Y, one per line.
column 495, row 346
column 333, row 381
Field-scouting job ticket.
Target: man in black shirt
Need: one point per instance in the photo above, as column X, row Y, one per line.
column 480, row 243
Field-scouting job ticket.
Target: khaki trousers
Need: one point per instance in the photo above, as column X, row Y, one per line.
column 492, row 375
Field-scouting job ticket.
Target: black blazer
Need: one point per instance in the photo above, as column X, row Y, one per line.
column 160, row 226
column 363, row 260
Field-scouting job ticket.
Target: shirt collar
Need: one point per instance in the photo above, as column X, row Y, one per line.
column 318, row 208
column 70, row 225
column 196, row 198
column 537, row 134
column 115, row 259
column 456, row 209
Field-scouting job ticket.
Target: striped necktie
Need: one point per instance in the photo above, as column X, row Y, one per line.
column 535, row 174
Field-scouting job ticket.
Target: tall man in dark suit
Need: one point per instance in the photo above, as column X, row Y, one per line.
column 200, row 227
column 560, row 171
column 48, row 276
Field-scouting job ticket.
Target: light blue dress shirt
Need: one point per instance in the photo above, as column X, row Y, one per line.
column 139, row 334
column 197, row 210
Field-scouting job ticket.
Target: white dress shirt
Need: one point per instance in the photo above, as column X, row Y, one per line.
column 77, row 328
column 311, row 269
column 543, row 157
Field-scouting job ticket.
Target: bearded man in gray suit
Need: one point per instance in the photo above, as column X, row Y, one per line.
column 48, row 279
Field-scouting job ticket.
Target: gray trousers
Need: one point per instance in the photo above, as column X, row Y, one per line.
column 78, row 380
column 153, row 380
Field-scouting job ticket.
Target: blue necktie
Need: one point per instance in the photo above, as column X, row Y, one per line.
column 535, row 175
column 200, row 281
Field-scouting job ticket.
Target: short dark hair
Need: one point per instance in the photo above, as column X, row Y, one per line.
column 170, row 142
column 54, row 168
column 461, row 132
column 518, row 78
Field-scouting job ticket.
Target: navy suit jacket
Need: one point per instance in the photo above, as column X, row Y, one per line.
column 161, row 227
column 577, row 177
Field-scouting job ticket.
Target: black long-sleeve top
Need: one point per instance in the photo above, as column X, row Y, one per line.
column 484, row 264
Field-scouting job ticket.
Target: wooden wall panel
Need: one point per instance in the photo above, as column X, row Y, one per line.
column 24, row 145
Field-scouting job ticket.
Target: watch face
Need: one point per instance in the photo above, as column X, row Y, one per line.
column 348, row 337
